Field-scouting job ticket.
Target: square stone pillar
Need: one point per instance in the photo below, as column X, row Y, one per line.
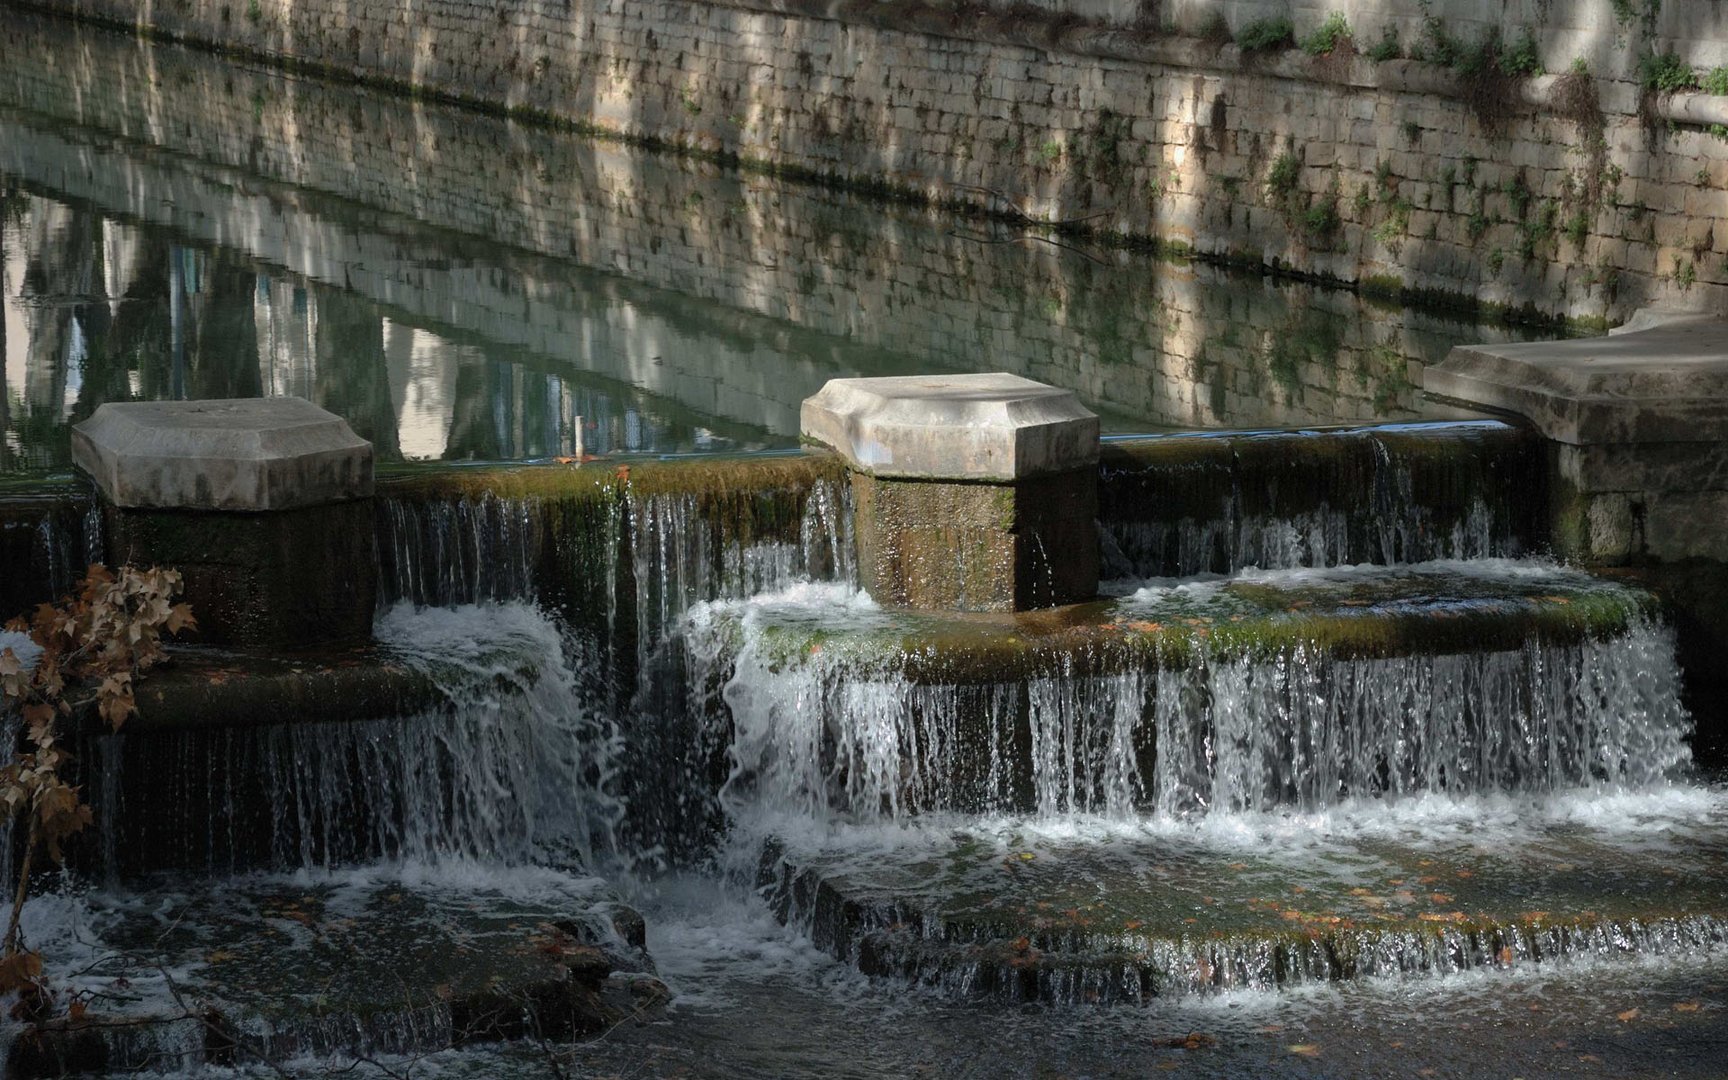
column 263, row 504
column 970, row 492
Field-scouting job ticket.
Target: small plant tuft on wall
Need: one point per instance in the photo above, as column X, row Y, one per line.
column 1265, row 34
column 1387, row 48
column 1666, row 73
column 1329, row 36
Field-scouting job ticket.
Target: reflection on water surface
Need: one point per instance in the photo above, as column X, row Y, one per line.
column 459, row 287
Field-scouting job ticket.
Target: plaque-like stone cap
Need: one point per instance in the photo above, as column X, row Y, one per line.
column 996, row 427
column 1667, row 382
column 231, row 454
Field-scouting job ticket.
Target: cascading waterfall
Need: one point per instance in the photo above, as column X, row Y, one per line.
column 1309, row 732
column 677, row 547
column 1193, row 505
column 684, row 556
column 1324, row 536
column 463, row 550
column 826, row 734
column 620, row 566
column 46, row 543
column 516, row 766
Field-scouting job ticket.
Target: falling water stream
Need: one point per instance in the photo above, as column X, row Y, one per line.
column 824, row 835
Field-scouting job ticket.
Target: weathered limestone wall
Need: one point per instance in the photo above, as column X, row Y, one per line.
column 730, row 295
column 1548, row 194
column 1603, row 33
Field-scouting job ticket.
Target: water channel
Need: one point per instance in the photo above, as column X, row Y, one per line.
column 1434, row 812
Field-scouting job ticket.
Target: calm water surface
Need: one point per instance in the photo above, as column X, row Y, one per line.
column 459, row 287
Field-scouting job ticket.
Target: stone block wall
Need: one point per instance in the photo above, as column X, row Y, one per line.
column 1574, row 197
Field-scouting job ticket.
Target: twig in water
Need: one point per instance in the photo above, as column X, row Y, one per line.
column 1053, row 242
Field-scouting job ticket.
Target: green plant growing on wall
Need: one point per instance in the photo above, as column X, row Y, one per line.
column 254, row 12
column 1051, row 151
column 1392, row 231
column 1412, row 132
column 1641, row 11
column 1520, row 59
column 1383, row 178
column 1538, row 229
column 1666, row 73
column 1715, row 81
column 1103, row 152
column 1282, row 176
column 1329, row 36
column 1313, row 218
column 1496, row 261
column 1321, row 218
column 1387, row 48
column 1518, row 193
column 1685, row 274
column 1264, row 34
column 1478, row 220
column 94, row 645
column 1486, row 68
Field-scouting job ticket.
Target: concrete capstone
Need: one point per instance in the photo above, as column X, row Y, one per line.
column 1667, row 383
column 243, row 454
column 993, row 427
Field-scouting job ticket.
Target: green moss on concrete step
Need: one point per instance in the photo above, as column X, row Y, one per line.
column 1345, row 615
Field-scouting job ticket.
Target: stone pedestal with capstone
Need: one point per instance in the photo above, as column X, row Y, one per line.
column 263, row 504
column 971, row 492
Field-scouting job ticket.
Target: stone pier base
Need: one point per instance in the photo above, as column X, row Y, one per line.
column 978, row 547
column 292, row 579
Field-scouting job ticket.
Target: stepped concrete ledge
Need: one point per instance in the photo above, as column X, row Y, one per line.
column 1663, row 379
column 1345, row 614
column 231, row 454
column 1001, row 912
column 995, row 427
column 210, row 688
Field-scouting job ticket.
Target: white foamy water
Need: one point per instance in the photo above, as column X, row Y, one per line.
column 817, row 731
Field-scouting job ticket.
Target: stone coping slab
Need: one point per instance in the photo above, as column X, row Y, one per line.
column 1666, row 382
column 246, row 454
column 992, row 427
column 214, row 688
